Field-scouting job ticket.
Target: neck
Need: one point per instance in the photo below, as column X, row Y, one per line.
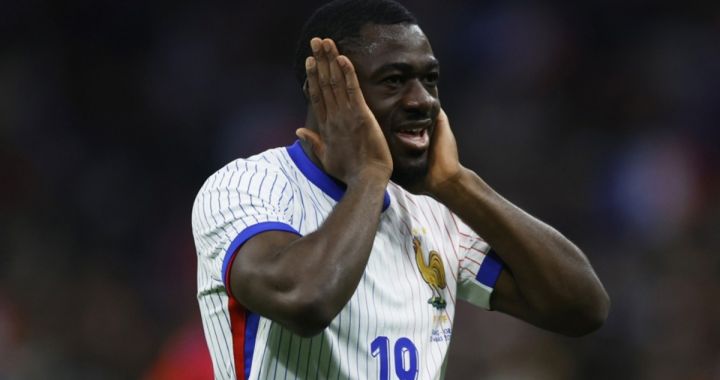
column 307, row 148
column 311, row 124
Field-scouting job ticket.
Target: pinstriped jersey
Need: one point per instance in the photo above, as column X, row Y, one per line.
column 398, row 323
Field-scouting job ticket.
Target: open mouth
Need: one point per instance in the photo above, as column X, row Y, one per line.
column 414, row 138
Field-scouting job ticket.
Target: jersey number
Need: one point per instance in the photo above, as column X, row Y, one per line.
column 405, row 354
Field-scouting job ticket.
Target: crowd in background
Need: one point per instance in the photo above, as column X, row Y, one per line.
column 599, row 117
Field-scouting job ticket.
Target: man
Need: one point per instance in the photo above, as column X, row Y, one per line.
column 343, row 255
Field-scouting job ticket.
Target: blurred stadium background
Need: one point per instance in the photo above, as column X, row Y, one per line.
column 600, row 117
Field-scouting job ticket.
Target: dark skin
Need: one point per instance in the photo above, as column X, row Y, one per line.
column 361, row 104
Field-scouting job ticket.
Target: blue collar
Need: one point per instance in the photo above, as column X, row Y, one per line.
column 329, row 185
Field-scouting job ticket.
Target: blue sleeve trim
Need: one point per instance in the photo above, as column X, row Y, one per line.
column 244, row 236
column 490, row 269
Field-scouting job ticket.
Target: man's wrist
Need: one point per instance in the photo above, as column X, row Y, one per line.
column 370, row 178
column 464, row 185
column 450, row 187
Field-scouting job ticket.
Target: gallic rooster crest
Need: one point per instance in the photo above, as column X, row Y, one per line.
column 433, row 272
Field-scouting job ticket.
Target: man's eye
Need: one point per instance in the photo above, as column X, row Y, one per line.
column 432, row 79
column 394, row 80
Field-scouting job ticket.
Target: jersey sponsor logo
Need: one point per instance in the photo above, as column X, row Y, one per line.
column 432, row 272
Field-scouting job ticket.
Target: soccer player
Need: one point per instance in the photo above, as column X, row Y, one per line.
column 343, row 255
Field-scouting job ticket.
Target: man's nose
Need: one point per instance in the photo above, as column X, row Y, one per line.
column 417, row 98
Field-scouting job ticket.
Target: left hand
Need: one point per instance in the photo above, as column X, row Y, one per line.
column 443, row 162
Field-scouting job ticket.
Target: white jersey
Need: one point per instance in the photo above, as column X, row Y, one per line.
column 398, row 323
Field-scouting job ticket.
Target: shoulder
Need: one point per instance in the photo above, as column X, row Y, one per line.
column 270, row 163
column 263, row 173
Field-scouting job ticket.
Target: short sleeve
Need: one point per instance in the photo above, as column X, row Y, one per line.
column 479, row 269
column 236, row 203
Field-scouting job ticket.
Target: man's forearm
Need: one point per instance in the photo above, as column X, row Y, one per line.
column 552, row 274
column 325, row 267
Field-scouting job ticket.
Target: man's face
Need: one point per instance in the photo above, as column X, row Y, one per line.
column 398, row 74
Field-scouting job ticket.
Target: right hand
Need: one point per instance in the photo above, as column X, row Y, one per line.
column 349, row 142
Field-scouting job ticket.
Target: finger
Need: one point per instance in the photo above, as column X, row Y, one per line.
column 313, row 138
column 323, row 69
column 352, row 85
column 442, row 119
column 444, row 137
column 337, row 78
column 316, row 98
column 442, row 126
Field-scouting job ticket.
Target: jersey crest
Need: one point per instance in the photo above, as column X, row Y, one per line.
column 432, row 272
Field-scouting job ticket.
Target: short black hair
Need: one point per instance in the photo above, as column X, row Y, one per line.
column 342, row 20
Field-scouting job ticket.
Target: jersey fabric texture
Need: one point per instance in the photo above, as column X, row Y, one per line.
column 398, row 323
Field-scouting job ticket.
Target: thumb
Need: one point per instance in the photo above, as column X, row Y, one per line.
column 443, row 133
column 313, row 138
column 442, row 120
